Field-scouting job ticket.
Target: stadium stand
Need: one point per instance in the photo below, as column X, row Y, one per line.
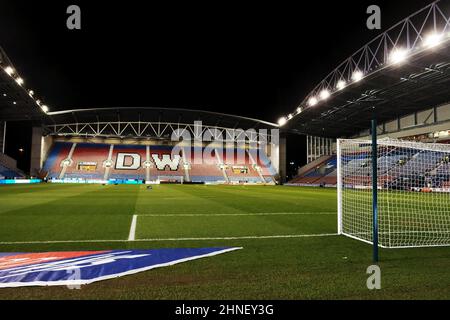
column 53, row 164
column 122, row 162
column 6, row 173
column 164, row 167
column 85, row 161
column 262, row 165
column 394, row 167
column 8, row 168
column 126, row 162
column 395, row 170
column 322, row 173
column 239, row 167
column 208, row 171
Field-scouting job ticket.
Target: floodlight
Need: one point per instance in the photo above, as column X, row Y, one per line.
column 357, row 76
column 9, row 70
column 312, row 101
column 282, row 121
column 398, row 56
column 44, row 108
column 19, row 81
column 432, row 40
column 341, row 84
column 324, row 94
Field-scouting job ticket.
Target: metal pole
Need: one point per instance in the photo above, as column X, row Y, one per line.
column 339, row 184
column 4, row 138
column 374, row 190
column 307, row 149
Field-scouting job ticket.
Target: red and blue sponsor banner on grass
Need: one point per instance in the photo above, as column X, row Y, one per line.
column 84, row 267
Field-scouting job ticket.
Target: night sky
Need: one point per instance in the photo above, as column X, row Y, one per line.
column 257, row 60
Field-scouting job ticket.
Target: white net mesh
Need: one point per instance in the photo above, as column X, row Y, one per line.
column 413, row 192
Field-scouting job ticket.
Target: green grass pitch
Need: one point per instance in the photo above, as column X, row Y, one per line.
column 291, row 250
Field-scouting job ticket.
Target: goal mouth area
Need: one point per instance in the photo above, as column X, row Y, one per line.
column 170, row 179
column 411, row 202
column 381, row 245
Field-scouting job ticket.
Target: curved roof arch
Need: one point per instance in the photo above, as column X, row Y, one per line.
column 155, row 114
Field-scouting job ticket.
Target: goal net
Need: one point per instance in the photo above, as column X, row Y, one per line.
column 413, row 192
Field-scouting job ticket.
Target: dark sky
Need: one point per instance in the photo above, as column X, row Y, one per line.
column 259, row 59
column 256, row 60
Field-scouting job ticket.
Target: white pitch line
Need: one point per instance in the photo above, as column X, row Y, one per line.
column 132, row 235
column 246, row 237
column 235, row 214
column 176, row 239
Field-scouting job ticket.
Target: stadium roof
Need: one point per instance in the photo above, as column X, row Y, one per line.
column 403, row 70
column 16, row 102
column 155, row 114
column 154, row 123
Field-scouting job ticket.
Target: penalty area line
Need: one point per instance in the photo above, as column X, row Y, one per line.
column 286, row 236
column 132, row 234
column 235, row 214
column 245, row 237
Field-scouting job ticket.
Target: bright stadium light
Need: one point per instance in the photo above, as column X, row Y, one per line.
column 324, row 94
column 282, row 121
column 9, row 70
column 312, row 101
column 357, row 76
column 432, row 40
column 398, row 56
column 341, row 84
column 44, row 108
column 290, row 116
column 19, row 81
column 299, row 110
column 31, row 93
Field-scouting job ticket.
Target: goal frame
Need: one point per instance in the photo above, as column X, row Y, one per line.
column 436, row 229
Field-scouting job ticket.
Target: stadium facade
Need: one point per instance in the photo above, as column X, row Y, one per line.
column 146, row 145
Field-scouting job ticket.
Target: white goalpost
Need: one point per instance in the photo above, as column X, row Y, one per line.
column 413, row 182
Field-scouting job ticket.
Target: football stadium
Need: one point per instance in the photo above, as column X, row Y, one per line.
column 181, row 203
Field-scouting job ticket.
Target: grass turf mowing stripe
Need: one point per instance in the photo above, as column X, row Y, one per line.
column 228, row 225
column 176, row 239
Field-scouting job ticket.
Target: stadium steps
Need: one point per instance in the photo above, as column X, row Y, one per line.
column 69, row 158
column 254, row 164
column 219, row 161
column 108, row 169
column 312, row 165
column 186, row 168
column 311, row 173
